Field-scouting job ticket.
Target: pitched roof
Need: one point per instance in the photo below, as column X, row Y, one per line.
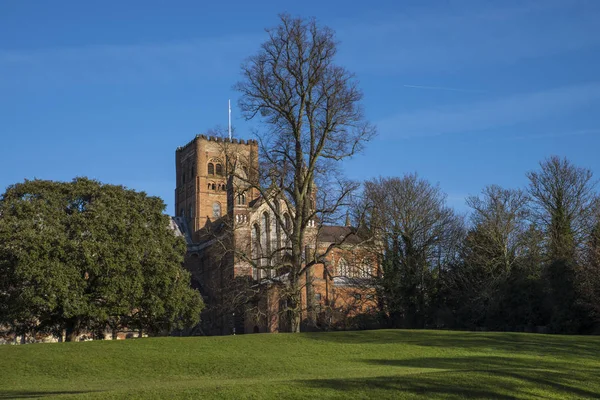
column 335, row 234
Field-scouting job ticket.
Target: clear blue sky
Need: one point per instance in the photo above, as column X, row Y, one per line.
column 466, row 93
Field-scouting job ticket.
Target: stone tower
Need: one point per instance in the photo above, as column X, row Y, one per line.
column 205, row 189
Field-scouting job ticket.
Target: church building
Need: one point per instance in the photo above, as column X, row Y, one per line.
column 230, row 229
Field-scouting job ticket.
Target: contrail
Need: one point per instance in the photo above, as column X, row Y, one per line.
column 443, row 88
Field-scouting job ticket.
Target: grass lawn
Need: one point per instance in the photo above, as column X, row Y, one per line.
column 395, row 364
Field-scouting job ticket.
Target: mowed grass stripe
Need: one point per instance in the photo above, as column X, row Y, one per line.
column 366, row 364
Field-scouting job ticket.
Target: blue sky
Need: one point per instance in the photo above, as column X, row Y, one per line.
column 465, row 93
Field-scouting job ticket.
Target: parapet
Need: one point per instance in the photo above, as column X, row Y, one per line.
column 250, row 142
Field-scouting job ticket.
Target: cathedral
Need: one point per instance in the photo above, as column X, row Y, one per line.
column 232, row 235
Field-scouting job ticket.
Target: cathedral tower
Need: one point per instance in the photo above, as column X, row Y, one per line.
column 205, row 190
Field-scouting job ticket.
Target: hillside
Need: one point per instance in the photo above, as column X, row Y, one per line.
column 368, row 364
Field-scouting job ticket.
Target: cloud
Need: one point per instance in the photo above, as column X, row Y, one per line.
column 493, row 113
column 443, row 89
column 475, row 34
column 194, row 59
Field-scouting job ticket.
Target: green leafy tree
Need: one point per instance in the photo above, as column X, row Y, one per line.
column 86, row 256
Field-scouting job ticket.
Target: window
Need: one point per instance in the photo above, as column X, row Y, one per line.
column 181, row 213
column 357, row 296
column 266, row 242
column 211, row 169
column 214, row 187
column 256, row 253
column 191, row 214
column 365, row 270
column 219, row 169
column 318, row 296
column 343, row 269
column 241, row 199
column 216, row 210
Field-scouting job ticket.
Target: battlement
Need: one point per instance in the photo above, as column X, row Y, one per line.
column 249, row 142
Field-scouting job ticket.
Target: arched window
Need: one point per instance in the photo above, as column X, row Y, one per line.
column 214, row 187
column 343, row 269
column 211, row 169
column 216, row 210
column 365, row 269
column 219, row 169
column 287, row 221
column 256, row 251
column 266, row 240
column 241, row 199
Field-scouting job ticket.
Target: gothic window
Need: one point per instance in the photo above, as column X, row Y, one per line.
column 266, row 242
column 288, row 228
column 365, row 270
column 241, row 199
column 256, row 252
column 343, row 268
column 214, row 186
column 209, row 186
column 216, row 210
column 211, row 168
column 219, row 169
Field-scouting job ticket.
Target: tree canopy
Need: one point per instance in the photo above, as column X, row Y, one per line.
column 312, row 118
column 85, row 256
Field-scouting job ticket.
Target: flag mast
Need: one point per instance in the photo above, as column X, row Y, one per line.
column 229, row 119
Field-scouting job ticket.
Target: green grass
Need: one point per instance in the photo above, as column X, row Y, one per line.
column 393, row 364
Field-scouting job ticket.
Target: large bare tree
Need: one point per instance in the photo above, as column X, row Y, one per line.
column 563, row 196
column 311, row 119
column 419, row 234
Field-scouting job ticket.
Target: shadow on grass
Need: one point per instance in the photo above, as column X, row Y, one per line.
column 29, row 394
column 514, row 343
column 471, row 377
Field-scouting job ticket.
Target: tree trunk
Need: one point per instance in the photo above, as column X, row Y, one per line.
column 71, row 331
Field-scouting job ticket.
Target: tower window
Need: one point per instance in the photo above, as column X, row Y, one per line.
column 216, row 210
column 219, row 169
column 211, row 169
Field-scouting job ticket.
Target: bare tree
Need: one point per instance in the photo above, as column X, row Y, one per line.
column 500, row 219
column 418, row 231
column 490, row 253
column 563, row 195
column 312, row 119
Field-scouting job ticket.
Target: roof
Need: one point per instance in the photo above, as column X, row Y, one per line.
column 335, row 234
